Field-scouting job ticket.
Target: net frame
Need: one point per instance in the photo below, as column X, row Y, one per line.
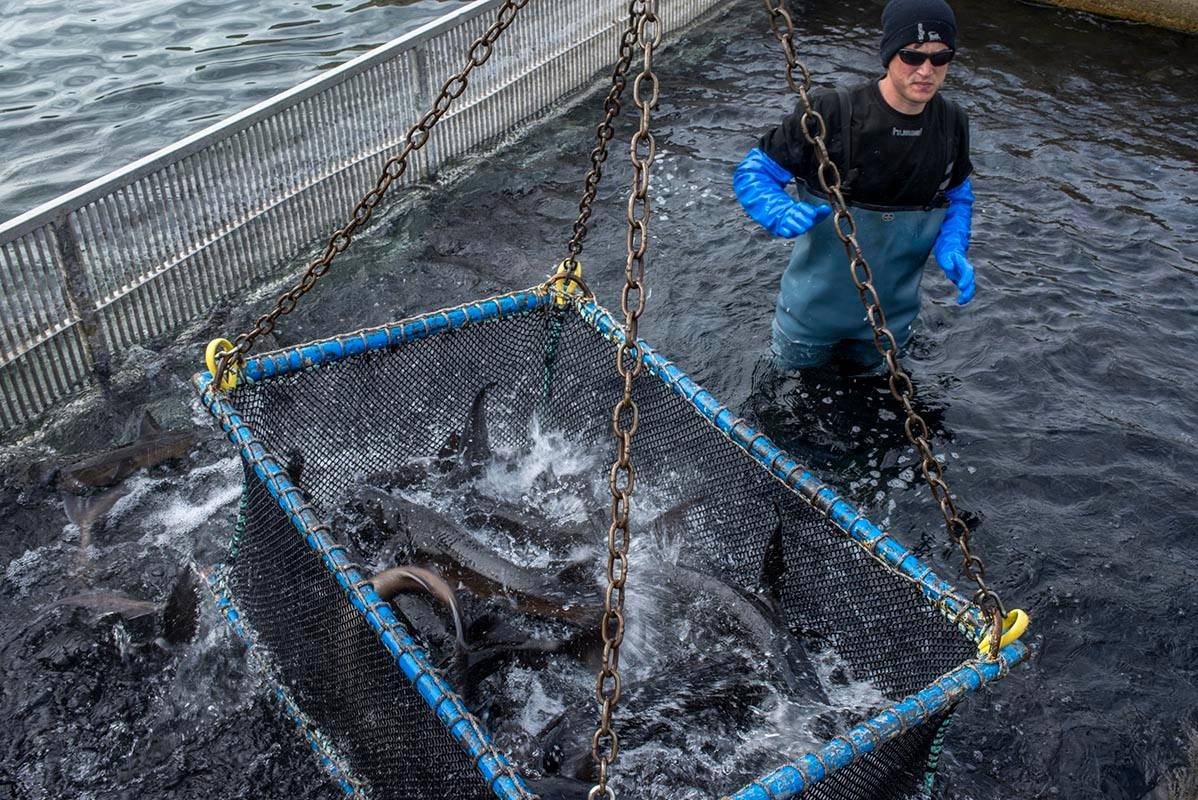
column 929, row 705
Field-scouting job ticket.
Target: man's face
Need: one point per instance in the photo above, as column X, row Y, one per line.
column 919, row 84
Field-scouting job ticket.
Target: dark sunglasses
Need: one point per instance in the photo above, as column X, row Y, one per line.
column 915, row 58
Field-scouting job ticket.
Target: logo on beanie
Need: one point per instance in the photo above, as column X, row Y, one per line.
column 922, row 34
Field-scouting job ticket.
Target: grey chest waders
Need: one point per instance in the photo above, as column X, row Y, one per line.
column 818, row 304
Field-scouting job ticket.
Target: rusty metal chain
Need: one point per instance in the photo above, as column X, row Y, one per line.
column 603, row 134
column 605, row 744
column 900, row 383
column 418, row 135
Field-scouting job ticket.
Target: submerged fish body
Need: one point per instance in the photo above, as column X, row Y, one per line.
column 495, row 639
column 152, row 446
column 527, row 526
column 422, row 533
column 760, row 620
column 663, row 710
column 104, row 603
column 174, row 620
column 180, row 614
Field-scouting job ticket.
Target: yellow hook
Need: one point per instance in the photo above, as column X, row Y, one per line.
column 1013, row 626
column 211, row 356
column 569, row 286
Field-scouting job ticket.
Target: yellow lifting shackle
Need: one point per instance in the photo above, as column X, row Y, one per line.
column 211, row 354
column 1013, row 626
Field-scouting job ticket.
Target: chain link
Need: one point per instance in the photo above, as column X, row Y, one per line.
column 900, row 383
column 603, row 134
column 418, row 135
column 625, row 417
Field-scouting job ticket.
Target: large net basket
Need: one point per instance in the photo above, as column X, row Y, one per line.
column 363, row 689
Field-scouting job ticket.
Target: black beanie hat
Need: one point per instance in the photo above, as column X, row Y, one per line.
column 907, row 21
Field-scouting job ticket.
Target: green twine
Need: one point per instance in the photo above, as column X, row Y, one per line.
column 555, row 324
column 933, row 763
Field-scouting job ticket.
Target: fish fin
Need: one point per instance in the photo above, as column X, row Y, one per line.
column 773, row 562
column 181, row 615
column 85, row 510
column 475, row 440
column 148, row 426
column 76, row 507
column 295, row 466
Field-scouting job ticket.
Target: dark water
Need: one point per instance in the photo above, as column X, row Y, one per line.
column 95, row 84
column 1062, row 397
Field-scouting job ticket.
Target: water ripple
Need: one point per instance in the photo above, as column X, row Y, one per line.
column 161, row 69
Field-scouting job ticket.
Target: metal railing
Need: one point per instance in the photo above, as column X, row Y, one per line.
column 134, row 255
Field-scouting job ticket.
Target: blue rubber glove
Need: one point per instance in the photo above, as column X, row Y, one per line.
column 953, row 241
column 760, row 185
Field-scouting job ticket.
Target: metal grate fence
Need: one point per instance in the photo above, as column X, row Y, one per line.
column 133, row 255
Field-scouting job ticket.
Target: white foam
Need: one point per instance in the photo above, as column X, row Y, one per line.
column 845, row 692
column 184, row 516
column 536, row 475
column 179, row 512
column 25, row 570
column 540, row 707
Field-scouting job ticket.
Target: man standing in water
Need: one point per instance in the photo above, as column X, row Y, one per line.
column 903, row 156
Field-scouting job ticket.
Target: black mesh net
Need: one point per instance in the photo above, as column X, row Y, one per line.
column 381, row 409
column 338, row 672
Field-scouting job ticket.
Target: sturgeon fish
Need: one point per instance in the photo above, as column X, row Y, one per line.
column 390, row 582
column 712, row 696
column 760, row 619
column 423, row 534
column 174, row 619
column 528, row 526
column 495, row 640
column 152, row 446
